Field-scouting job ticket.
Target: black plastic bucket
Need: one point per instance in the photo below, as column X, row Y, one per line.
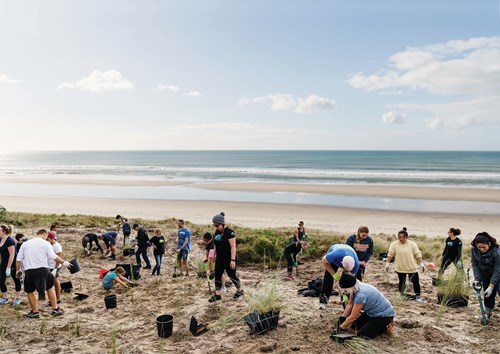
column 66, row 287
column 75, row 266
column 165, row 324
column 110, row 301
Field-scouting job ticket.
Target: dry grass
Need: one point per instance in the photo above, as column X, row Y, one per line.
column 266, row 298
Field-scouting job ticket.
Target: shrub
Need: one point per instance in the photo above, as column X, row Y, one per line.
column 3, row 213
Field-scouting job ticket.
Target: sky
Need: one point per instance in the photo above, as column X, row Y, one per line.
column 260, row 74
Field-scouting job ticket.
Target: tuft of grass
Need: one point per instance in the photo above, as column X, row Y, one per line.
column 43, row 326
column 18, row 313
column 77, row 327
column 267, row 298
column 455, row 285
column 362, row 346
column 225, row 321
column 114, row 335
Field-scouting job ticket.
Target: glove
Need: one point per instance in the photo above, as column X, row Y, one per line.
column 488, row 292
column 336, row 276
column 295, row 264
column 387, row 266
column 460, row 264
column 66, row 264
column 344, row 299
column 422, row 266
column 476, row 284
column 54, row 272
column 7, row 273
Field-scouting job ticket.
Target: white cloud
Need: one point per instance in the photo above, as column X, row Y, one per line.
column 393, row 117
column 193, row 94
column 168, row 88
column 286, row 102
column 98, row 82
column 470, row 67
column 7, row 79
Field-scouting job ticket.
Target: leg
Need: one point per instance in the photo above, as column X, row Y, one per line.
column 402, row 282
column 327, row 288
column 445, row 262
column 374, row 327
column 57, row 287
column 138, row 257
column 17, row 282
column 289, row 260
column 360, row 272
column 231, row 273
column 159, row 263
column 360, row 321
column 219, row 269
column 489, row 302
column 3, row 279
column 52, row 298
column 145, row 256
column 32, row 301
column 416, row 283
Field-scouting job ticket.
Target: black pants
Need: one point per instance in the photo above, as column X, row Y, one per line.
column 360, row 273
column 413, row 278
column 3, row 278
column 222, row 265
column 291, row 257
column 446, row 261
column 489, row 302
column 371, row 327
column 327, row 288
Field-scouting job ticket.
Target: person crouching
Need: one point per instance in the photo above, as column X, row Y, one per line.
column 368, row 312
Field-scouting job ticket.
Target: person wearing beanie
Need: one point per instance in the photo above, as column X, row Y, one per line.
column 225, row 257
column 87, row 241
column 368, row 312
column 407, row 256
column 338, row 257
column 362, row 243
column 485, row 257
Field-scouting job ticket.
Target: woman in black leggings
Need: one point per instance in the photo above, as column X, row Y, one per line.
column 8, row 265
column 452, row 252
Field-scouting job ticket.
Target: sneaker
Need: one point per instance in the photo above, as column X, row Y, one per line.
column 112, row 258
column 322, row 306
column 238, row 294
column 17, row 301
column 4, row 301
column 147, row 267
column 419, row 299
column 32, row 315
column 215, row 298
column 300, row 262
column 291, row 276
column 223, row 290
column 57, row 312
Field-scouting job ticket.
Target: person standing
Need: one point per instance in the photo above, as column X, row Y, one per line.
column 225, row 257
column 452, row 252
column 158, row 242
column 34, row 256
column 408, row 260
column 183, row 246
column 298, row 236
column 126, row 232
column 142, row 246
column 362, row 243
column 485, row 257
column 8, row 265
column 53, row 265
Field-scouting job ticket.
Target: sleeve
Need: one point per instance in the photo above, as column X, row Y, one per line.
column 188, row 234
column 50, row 251
column 350, row 241
column 475, row 267
column 444, row 249
column 360, row 299
column 459, row 249
column 369, row 253
column 495, row 278
column 211, row 253
column 231, row 235
column 392, row 250
column 416, row 251
column 58, row 248
column 20, row 255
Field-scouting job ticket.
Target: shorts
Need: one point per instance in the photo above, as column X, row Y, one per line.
column 39, row 279
column 183, row 254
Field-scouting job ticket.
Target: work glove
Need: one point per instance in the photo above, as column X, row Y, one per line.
column 387, row 266
column 7, row 273
column 460, row 264
column 54, row 272
column 344, row 299
column 422, row 266
column 66, row 264
column 488, row 292
column 295, row 264
column 19, row 274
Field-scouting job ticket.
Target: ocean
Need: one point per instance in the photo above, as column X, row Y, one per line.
column 419, row 168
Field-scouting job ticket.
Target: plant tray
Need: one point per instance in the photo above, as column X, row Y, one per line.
column 261, row 323
column 342, row 337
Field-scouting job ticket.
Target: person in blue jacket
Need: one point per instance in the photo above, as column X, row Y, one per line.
column 362, row 243
column 109, row 239
column 339, row 256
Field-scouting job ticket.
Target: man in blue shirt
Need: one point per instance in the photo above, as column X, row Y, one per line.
column 109, row 239
column 183, row 243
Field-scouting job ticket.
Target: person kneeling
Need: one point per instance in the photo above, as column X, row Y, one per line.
column 111, row 278
column 368, row 311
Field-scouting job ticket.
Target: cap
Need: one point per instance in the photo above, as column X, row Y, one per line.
column 347, row 281
column 135, row 226
column 51, row 235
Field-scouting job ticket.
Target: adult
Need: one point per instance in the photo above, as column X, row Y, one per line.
column 110, row 239
column 142, row 239
column 34, row 256
column 368, row 311
column 225, row 257
column 298, row 236
column 158, row 242
column 183, row 246
column 452, row 252
column 339, row 256
column 126, row 229
column 53, row 265
column 362, row 243
column 54, row 227
column 408, row 260
column 485, row 257
column 87, row 241
column 291, row 254
column 8, row 265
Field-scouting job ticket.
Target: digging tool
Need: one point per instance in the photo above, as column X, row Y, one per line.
column 209, row 285
column 468, row 277
column 478, row 286
column 175, row 267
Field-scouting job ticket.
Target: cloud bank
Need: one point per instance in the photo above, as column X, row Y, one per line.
column 286, row 102
column 99, row 82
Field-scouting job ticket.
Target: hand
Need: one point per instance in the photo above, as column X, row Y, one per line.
column 19, row 274
column 7, row 272
column 488, row 292
column 66, row 264
column 54, row 272
column 233, row 264
column 422, row 266
column 387, row 266
column 362, row 263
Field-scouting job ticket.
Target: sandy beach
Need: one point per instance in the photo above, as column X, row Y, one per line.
column 265, row 215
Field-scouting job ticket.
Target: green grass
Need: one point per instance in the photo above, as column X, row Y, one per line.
column 267, row 298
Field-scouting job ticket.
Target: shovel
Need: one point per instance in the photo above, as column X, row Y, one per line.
column 175, row 267
column 478, row 288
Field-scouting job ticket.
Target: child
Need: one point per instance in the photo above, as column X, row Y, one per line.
column 210, row 258
column 111, row 278
column 158, row 242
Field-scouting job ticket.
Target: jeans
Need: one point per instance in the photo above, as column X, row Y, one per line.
column 144, row 252
column 158, row 259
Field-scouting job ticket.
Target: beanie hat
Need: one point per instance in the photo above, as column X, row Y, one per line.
column 219, row 219
column 347, row 281
column 135, row 226
column 348, row 263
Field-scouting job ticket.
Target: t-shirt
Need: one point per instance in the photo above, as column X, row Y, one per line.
column 183, row 234
column 406, row 255
column 4, row 252
column 363, row 248
column 110, row 236
column 35, row 254
column 222, row 246
column 57, row 248
column 374, row 303
column 293, row 248
column 159, row 243
column 453, row 248
column 336, row 254
column 107, row 281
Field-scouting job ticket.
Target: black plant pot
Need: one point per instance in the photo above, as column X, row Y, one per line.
column 454, row 300
column 261, row 323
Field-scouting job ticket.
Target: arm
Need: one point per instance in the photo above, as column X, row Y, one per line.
column 495, row 278
column 459, row 256
column 232, row 243
column 296, row 235
column 12, row 253
column 327, row 266
column 356, row 310
column 369, row 253
column 475, row 267
column 186, row 240
column 120, row 280
column 59, row 255
column 348, row 308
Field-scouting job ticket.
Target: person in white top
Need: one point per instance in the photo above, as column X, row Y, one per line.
column 53, row 265
column 34, row 256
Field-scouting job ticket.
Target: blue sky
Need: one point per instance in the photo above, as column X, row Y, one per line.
column 93, row 75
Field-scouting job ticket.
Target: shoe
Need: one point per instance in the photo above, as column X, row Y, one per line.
column 223, row 290
column 238, row 294
column 291, row 276
column 419, row 299
column 32, row 315
column 215, row 298
column 57, row 312
column 187, row 274
column 300, row 262
column 147, row 267
column 322, row 306
column 17, row 301
column 4, row 301
column 112, row 258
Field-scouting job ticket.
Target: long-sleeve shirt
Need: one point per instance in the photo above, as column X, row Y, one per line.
column 363, row 248
column 406, row 255
column 142, row 238
column 486, row 265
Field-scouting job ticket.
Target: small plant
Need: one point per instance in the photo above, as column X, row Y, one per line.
column 43, row 326
column 455, row 285
column 225, row 321
column 114, row 335
column 362, row 346
column 18, row 314
column 3, row 213
column 77, row 327
column 266, row 298
column 200, row 266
